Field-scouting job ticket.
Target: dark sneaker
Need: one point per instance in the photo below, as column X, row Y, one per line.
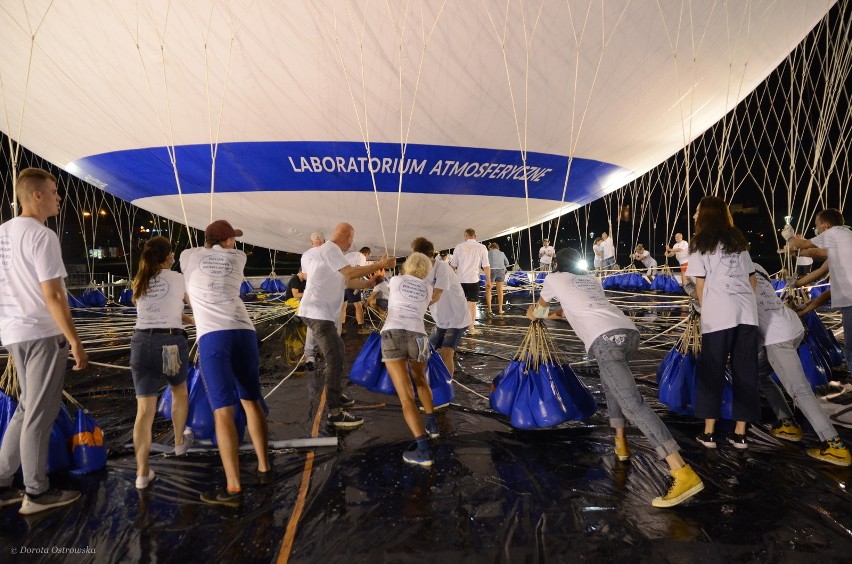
column 48, row 500
column 309, row 366
column 344, row 420
column 707, row 439
column 266, row 478
column 346, row 401
column 417, row 456
column 739, row 441
column 432, row 429
column 222, row 497
column 11, row 496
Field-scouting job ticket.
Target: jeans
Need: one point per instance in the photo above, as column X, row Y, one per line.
column 330, row 345
column 740, row 343
column 846, row 312
column 612, row 350
column 785, row 361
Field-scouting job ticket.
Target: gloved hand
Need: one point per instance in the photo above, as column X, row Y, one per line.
column 788, row 232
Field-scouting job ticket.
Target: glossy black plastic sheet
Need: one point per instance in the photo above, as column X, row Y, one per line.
column 493, row 494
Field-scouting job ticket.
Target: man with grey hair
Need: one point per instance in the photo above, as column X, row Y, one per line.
column 36, row 328
column 317, row 240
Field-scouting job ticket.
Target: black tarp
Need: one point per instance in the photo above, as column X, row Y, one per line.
column 494, row 494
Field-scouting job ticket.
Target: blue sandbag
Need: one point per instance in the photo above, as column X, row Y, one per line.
column 522, row 416
column 88, row 451
column 610, row 282
column 820, row 355
column 384, row 384
column 440, row 380
column 826, row 339
column 578, row 401
column 246, row 287
column 505, row 388
column 164, row 406
column 821, row 287
column 368, row 365
column 58, row 450
column 200, row 416
column 268, row 285
column 815, row 371
column 74, row 302
column 672, row 356
column 670, row 381
column 481, row 280
column 673, row 286
column 126, row 297
column 7, row 410
column 546, row 404
column 93, row 298
column 517, row 279
column 778, row 285
column 539, row 278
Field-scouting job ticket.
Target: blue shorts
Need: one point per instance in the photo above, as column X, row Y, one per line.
column 498, row 274
column 352, row 296
column 230, row 362
column 447, row 338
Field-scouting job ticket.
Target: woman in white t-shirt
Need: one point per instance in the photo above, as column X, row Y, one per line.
column 405, row 347
column 598, row 250
column 158, row 350
column 725, row 284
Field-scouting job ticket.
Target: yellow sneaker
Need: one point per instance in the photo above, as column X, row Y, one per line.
column 685, row 484
column 788, row 430
column 833, row 451
column 622, row 451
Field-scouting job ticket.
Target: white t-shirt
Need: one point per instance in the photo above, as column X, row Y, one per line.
column 598, row 250
column 545, row 254
column 213, row 277
column 356, row 258
column 647, row 259
column 585, row 305
column 324, row 292
column 407, row 304
column 607, row 248
column 29, row 255
column 838, row 241
column 450, row 311
column 777, row 322
column 682, row 251
column 307, row 257
column 728, row 299
column 804, row 261
column 381, row 290
column 162, row 304
column 468, row 258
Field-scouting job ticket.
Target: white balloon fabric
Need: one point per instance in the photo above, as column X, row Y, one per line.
column 402, row 118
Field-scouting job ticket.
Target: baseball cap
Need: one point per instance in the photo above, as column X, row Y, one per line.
column 221, row 230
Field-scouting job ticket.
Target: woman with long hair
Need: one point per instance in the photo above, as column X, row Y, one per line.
column 725, row 285
column 158, row 350
column 405, row 347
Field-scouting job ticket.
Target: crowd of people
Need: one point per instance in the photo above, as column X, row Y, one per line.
column 743, row 322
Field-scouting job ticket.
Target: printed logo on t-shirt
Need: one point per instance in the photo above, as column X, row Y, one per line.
column 217, row 266
column 6, row 252
column 589, row 286
column 157, row 289
column 732, row 262
column 412, row 291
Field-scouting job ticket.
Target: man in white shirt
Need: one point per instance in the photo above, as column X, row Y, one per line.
column 608, row 250
column 228, row 352
column 36, row 328
column 468, row 257
column 317, row 240
column 836, row 238
column 328, row 274
column 545, row 255
column 681, row 252
column 350, row 296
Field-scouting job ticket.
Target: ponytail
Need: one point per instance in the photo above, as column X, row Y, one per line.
column 155, row 253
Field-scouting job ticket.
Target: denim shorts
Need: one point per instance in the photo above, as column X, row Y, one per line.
column 402, row 344
column 498, row 274
column 447, row 338
column 230, row 363
column 146, row 361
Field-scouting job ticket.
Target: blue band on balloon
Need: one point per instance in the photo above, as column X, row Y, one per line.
column 345, row 166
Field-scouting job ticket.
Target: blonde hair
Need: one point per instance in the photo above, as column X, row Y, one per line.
column 417, row 265
column 32, row 180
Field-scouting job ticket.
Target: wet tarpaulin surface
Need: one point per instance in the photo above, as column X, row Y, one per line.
column 493, row 494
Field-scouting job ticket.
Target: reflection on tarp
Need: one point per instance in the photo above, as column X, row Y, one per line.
column 494, row 493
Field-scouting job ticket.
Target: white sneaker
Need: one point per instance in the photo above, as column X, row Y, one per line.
column 48, row 500
column 188, row 439
column 143, row 482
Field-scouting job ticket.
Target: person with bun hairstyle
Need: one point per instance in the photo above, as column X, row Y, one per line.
column 158, row 350
column 611, row 338
column 405, row 347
